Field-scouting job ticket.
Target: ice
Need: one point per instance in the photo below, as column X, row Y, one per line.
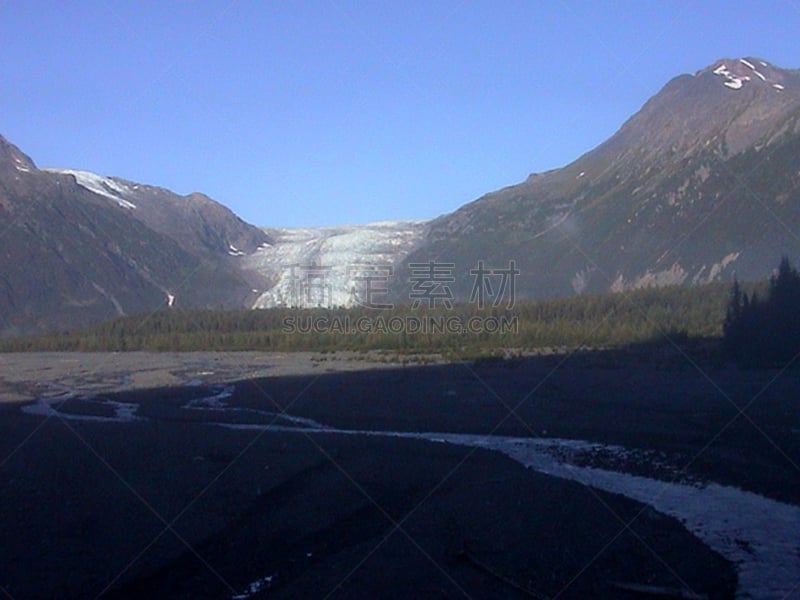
column 339, row 256
column 747, row 64
column 103, row 186
column 778, row 86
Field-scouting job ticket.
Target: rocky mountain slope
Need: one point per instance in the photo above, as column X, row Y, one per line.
column 76, row 248
column 198, row 223
column 703, row 182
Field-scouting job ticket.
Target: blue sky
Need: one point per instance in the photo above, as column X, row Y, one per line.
column 332, row 111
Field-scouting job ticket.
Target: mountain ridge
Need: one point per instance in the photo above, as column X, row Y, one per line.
column 72, row 255
column 699, row 185
column 658, row 178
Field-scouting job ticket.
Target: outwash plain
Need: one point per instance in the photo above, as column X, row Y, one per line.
column 609, row 474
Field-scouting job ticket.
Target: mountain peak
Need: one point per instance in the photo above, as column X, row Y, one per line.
column 702, row 180
column 749, row 72
column 12, row 157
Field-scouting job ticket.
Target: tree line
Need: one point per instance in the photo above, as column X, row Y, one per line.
column 765, row 331
column 601, row 320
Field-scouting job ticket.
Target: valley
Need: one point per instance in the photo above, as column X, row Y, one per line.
column 183, row 414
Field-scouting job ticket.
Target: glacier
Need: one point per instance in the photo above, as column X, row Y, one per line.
column 329, row 266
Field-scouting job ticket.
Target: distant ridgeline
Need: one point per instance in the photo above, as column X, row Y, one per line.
column 765, row 331
column 597, row 321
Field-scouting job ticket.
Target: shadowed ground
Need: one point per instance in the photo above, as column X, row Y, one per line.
column 85, row 506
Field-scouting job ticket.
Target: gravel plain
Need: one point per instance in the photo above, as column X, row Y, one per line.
column 188, row 495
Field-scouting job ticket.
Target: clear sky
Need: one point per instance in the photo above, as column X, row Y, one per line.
column 336, row 111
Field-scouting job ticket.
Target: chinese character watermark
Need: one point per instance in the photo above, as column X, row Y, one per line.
column 428, row 283
column 311, row 286
column 482, row 288
column 372, row 285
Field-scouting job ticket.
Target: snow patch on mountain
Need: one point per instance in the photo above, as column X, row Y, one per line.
column 332, row 266
column 103, row 186
column 19, row 165
column 675, row 275
column 733, row 81
column 735, row 77
column 706, row 275
column 580, row 281
column 717, row 268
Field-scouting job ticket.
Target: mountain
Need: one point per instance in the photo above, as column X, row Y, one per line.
column 198, row 223
column 701, row 184
column 76, row 248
